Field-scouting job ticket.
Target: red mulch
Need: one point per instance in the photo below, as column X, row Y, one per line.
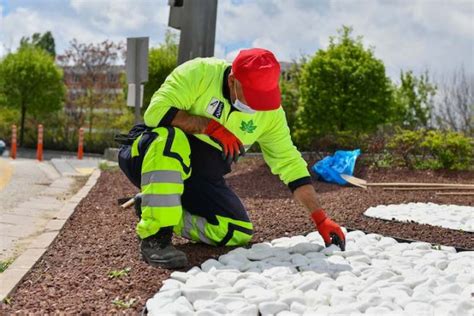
column 72, row 277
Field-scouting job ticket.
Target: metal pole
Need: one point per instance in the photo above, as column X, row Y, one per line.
column 138, row 97
column 196, row 19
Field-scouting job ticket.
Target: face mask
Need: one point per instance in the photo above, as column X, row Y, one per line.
column 242, row 107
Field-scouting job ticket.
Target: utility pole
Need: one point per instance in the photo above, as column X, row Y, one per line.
column 137, row 72
column 197, row 21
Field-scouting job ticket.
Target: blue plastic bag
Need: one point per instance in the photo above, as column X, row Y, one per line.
column 330, row 168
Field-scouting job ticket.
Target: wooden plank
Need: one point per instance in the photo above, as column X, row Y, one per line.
column 425, row 188
column 361, row 183
column 455, row 193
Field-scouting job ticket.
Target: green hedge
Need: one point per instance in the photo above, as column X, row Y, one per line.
column 431, row 149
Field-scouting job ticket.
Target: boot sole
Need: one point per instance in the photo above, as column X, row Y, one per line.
column 167, row 264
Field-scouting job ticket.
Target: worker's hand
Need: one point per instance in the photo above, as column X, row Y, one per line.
column 232, row 147
column 329, row 230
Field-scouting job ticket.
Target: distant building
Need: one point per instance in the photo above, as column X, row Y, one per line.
column 77, row 80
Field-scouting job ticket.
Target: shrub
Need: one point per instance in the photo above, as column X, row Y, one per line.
column 434, row 149
column 450, row 150
column 344, row 89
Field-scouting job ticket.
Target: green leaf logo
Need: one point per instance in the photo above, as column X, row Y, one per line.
column 247, row 127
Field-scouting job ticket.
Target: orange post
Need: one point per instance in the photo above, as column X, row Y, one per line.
column 80, row 147
column 39, row 148
column 13, row 146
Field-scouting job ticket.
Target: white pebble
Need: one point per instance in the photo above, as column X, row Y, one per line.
column 258, row 254
column 298, row 308
column 180, row 276
column 207, row 312
column 199, row 294
column 211, row 263
column 296, row 276
column 267, row 308
column 447, row 216
column 250, row 310
column 305, row 247
column 171, row 284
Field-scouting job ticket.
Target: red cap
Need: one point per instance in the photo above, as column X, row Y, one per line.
column 258, row 72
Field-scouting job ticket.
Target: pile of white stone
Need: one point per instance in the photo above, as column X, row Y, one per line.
column 447, row 216
column 297, row 276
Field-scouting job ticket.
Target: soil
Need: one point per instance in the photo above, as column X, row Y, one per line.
column 72, row 277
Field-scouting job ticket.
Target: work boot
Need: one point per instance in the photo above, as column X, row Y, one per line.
column 158, row 251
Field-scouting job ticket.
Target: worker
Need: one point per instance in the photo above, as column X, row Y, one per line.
column 201, row 120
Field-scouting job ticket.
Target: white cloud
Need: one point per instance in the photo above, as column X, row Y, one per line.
column 87, row 21
column 438, row 35
column 124, row 15
column 417, row 34
column 21, row 22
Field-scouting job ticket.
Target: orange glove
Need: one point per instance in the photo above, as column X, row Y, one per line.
column 231, row 146
column 329, row 230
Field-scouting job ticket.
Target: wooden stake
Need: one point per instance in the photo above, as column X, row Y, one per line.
column 128, row 203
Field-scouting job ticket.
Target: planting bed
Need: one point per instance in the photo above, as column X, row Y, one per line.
column 73, row 275
column 447, row 216
column 292, row 276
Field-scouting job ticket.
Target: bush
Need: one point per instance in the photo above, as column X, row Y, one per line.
column 9, row 117
column 422, row 149
column 344, row 89
column 450, row 150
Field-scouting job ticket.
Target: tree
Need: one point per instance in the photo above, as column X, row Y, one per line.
column 161, row 61
column 414, row 100
column 91, row 65
column 455, row 106
column 344, row 89
column 30, row 81
column 290, row 95
column 44, row 41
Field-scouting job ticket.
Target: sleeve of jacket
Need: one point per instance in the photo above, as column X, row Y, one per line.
column 179, row 92
column 281, row 155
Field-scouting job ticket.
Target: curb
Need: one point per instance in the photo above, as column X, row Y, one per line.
column 15, row 273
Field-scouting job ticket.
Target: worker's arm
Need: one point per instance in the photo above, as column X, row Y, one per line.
column 306, row 195
column 281, row 155
column 285, row 160
column 177, row 94
column 231, row 146
column 191, row 124
column 328, row 229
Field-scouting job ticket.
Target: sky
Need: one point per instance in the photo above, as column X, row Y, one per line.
column 437, row 35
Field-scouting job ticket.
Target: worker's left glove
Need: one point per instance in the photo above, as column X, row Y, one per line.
column 231, row 146
column 329, row 230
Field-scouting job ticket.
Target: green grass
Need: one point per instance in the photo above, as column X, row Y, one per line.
column 108, row 166
column 118, row 273
column 123, row 303
column 4, row 264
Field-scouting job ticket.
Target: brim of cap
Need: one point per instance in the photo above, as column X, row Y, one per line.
column 262, row 100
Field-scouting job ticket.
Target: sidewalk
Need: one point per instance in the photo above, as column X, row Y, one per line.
column 36, row 198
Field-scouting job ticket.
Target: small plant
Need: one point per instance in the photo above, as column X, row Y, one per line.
column 124, row 303
column 118, row 273
column 7, row 300
column 4, row 264
column 107, row 166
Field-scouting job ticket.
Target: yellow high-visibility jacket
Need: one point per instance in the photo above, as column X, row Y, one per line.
column 199, row 87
